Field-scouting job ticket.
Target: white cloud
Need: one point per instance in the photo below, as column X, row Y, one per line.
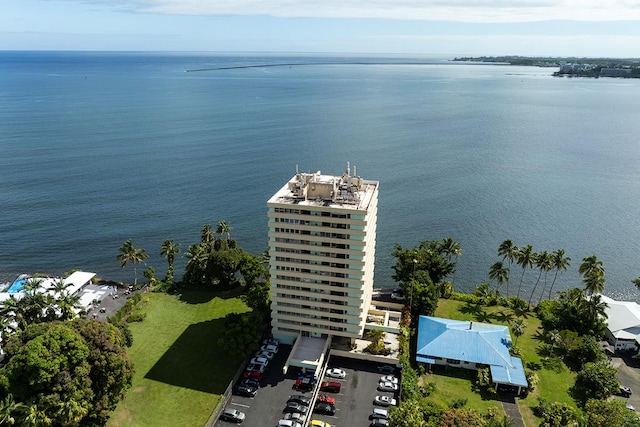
column 431, row 10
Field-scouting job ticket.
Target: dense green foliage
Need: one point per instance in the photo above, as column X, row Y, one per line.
column 595, row 381
column 421, row 272
column 66, row 373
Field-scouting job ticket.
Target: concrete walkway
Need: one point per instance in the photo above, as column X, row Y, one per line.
column 511, row 409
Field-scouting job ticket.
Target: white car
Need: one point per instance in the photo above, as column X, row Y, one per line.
column 299, row 418
column 336, row 373
column 388, row 379
column 270, row 348
column 384, row 401
column 271, row 341
column 387, row 386
column 266, row 354
column 259, row 361
column 288, row 423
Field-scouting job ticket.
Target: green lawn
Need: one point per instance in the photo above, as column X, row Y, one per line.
column 180, row 372
column 554, row 380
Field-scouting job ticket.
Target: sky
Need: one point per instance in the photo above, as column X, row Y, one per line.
column 579, row 28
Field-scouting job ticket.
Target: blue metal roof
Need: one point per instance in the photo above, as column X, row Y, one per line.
column 471, row 342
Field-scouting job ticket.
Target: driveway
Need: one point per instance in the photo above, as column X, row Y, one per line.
column 629, row 376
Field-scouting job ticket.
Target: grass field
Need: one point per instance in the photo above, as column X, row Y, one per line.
column 180, row 372
column 554, row 381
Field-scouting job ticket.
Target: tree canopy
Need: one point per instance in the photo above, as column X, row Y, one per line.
column 71, row 373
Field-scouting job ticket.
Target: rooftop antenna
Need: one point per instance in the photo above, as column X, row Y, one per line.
column 354, row 171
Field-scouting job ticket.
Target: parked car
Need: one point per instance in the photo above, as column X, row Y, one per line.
column 384, row 401
column 318, row 423
column 624, row 391
column 379, row 422
column 326, row 399
column 325, row 409
column 398, row 295
column 300, row 399
column 296, row 407
column 387, row 386
column 288, row 423
column 252, row 382
column 387, row 369
column 330, row 386
column 256, row 367
column 244, row 389
column 379, row 413
column 294, row 416
column 270, row 348
column 232, row 415
column 336, row 373
column 304, row 384
column 259, row 361
column 388, row 379
column 266, row 354
column 271, row 341
column 257, row 375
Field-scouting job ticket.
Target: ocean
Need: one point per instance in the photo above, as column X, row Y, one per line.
column 100, row 147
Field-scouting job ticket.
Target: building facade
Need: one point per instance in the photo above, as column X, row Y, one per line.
column 322, row 239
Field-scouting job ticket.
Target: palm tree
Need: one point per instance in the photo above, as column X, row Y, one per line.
column 499, row 273
column 560, row 262
column 524, row 258
column 129, row 253
column 554, row 338
column 207, row 237
column 543, row 263
column 196, row 263
column 8, row 409
column 34, row 417
column 224, row 228
column 451, row 248
column 508, row 251
column 592, row 272
column 596, row 307
column 518, row 327
column 169, row 249
column 636, row 282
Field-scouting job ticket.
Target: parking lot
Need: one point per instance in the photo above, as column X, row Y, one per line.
column 354, row 402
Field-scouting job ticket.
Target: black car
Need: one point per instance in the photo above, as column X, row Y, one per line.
column 387, row 369
column 624, row 391
column 252, row 382
column 325, row 408
column 298, row 398
column 244, row 389
column 296, row 407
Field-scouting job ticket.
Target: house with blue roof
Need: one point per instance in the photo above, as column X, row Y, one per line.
column 470, row 345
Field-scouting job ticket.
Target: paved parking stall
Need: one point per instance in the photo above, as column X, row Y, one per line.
column 354, row 402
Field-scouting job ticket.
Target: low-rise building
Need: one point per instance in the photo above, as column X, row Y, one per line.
column 470, row 345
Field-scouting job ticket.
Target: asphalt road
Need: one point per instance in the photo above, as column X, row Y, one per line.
column 629, row 376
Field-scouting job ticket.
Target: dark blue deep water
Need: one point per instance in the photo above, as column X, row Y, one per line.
column 97, row 148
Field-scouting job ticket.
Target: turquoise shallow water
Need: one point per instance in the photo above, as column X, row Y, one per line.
column 97, row 148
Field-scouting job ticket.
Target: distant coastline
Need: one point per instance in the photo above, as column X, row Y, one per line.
column 570, row 66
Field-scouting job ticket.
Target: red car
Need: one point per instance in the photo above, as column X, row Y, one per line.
column 330, row 386
column 323, row 398
column 253, row 374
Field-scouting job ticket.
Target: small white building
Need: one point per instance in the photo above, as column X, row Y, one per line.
column 623, row 324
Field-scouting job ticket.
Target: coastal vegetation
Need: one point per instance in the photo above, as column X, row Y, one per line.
column 570, row 378
column 569, row 66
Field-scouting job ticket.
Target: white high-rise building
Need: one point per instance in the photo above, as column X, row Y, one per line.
column 322, row 240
